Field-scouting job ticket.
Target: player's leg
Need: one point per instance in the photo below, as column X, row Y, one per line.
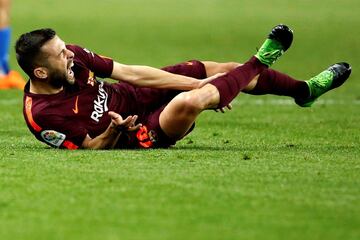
column 212, row 68
column 270, row 81
column 180, row 114
column 8, row 79
column 273, row 82
column 230, row 84
column 304, row 92
column 204, row 69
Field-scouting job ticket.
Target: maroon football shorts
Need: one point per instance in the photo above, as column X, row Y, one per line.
column 151, row 135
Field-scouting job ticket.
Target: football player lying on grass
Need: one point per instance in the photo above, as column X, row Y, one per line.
column 66, row 106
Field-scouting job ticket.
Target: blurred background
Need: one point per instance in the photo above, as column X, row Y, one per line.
column 160, row 32
column 302, row 180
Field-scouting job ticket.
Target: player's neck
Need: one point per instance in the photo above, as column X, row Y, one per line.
column 37, row 87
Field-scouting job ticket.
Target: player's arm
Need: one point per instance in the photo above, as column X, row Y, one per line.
column 109, row 138
column 141, row 76
column 144, row 76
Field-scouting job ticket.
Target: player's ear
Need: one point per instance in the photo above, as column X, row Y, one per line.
column 40, row 72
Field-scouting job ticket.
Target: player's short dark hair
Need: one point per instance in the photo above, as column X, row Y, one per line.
column 28, row 48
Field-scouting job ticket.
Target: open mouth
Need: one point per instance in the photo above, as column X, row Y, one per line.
column 70, row 71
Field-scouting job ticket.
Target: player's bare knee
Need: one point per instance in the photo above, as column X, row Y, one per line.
column 189, row 103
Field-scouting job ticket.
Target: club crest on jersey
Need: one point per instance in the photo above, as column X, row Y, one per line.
column 52, row 137
column 91, row 79
column 100, row 104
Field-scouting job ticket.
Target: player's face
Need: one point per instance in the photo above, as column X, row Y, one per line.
column 59, row 61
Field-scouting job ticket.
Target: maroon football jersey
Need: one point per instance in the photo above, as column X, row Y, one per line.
column 64, row 119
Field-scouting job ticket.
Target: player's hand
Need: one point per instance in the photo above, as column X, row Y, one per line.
column 228, row 107
column 120, row 124
column 205, row 81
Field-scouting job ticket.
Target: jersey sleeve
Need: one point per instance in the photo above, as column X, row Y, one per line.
column 62, row 133
column 100, row 65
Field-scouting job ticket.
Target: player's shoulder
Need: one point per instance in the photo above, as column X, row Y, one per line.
column 78, row 49
column 36, row 113
column 82, row 56
column 73, row 47
column 38, row 108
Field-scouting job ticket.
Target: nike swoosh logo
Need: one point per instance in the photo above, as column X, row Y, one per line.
column 76, row 109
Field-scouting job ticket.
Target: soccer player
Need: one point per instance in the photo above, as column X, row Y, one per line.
column 8, row 79
column 66, row 106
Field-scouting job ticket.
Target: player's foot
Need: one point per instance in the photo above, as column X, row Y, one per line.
column 278, row 41
column 331, row 78
column 12, row 80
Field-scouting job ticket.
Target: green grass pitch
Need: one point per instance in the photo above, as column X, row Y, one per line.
column 266, row 170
